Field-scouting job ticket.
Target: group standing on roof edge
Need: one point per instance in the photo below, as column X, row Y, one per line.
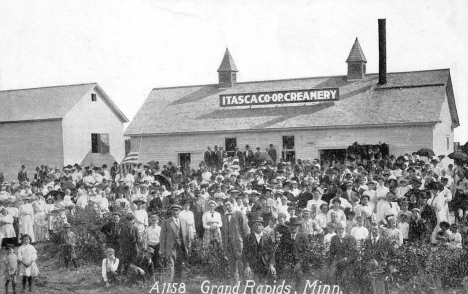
column 264, row 213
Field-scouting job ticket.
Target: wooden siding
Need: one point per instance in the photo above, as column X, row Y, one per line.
column 307, row 142
column 32, row 144
column 88, row 117
column 443, row 130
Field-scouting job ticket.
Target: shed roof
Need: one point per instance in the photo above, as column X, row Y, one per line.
column 407, row 98
column 47, row 103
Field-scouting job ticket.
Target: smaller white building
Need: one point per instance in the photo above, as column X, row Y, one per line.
column 58, row 126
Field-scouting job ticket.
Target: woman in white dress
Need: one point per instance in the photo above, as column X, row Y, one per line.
column 26, row 219
column 189, row 217
column 382, row 192
column 439, row 202
column 212, row 224
column 40, row 221
column 7, row 230
column 27, row 256
column 141, row 218
column 13, row 211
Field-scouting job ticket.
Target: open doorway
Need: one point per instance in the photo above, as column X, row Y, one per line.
column 184, row 159
column 332, row 154
column 230, row 145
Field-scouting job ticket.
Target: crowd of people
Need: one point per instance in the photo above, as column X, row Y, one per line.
column 262, row 212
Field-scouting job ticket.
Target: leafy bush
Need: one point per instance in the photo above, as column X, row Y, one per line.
column 86, row 224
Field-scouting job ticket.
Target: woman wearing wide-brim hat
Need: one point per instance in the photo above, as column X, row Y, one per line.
column 26, row 218
column 212, row 224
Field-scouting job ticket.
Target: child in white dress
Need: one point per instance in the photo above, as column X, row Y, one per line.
column 27, row 256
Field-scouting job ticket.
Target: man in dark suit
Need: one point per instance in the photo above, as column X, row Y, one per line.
column 248, row 155
column 22, row 175
column 112, row 232
column 291, row 256
column 175, row 245
column 129, row 241
column 159, row 202
column 272, row 153
column 240, row 156
column 343, row 252
column 235, row 228
column 115, row 170
column 208, row 157
column 377, row 249
column 259, row 253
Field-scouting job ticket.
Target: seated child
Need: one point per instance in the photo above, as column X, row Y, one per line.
column 110, row 264
column 455, row 238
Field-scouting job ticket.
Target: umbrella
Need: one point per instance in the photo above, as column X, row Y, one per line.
column 163, row 180
column 55, row 194
column 458, row 156
column 426, row 152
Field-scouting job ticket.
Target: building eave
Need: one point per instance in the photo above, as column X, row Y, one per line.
column 389, row 125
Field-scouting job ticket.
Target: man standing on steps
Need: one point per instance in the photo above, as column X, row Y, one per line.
column 233, row 231
column 175, row 245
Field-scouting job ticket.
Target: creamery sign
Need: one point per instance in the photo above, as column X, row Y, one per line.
column 279, row 97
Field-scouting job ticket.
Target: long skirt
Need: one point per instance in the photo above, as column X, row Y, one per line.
column 40, row 226
column 211, row 235
column 27, row 226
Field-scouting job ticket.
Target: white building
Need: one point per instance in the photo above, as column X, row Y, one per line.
column 58, row 126
column 303, row 118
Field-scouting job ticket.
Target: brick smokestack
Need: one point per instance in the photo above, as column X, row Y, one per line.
column 382, row 53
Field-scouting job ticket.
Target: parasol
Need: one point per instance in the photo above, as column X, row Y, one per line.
column 55, row 194
column 163, row 180
column 460, row 156
column 426, row 152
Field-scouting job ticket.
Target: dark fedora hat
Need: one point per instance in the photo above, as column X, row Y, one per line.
column 294, row 221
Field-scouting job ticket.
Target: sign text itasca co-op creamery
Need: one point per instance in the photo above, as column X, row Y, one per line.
column 279, row 97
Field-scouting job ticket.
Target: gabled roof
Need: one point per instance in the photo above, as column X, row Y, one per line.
column 408, row 98
column 227, row 64
column 356, row 53
column 47, row 103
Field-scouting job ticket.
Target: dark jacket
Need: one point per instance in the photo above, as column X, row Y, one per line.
column 257, row 256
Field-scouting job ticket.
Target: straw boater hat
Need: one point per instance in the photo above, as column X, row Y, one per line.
column 257, row 219
column 212, row 201
column 176, row 207
column 66, row 225
column 403, row 180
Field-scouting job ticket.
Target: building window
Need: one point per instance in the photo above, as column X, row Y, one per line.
column 184, row 159
column 93, row 97
column 448, row 143
column 230, row 145
column 100, row 143
column 234, row 77
column 289, row 151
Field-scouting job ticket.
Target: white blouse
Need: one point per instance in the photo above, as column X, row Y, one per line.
column 212, row 219
column 109, row 266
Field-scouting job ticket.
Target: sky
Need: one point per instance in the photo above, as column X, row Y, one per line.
column 130, row 47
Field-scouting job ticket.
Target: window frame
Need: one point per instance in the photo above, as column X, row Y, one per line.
column 100, row 143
